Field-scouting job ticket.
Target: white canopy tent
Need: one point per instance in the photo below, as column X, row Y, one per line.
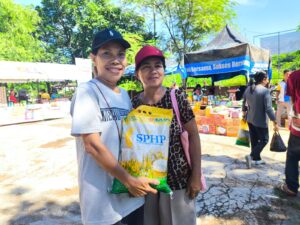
column 20, row 72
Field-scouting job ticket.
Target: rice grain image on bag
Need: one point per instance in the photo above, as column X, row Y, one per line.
column 145, row 146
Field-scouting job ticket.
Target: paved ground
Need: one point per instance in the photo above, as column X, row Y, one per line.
column 38, row 180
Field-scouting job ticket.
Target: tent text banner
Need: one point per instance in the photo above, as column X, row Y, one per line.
column 224, row 66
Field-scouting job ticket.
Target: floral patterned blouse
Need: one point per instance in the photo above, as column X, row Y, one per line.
column 178, row 169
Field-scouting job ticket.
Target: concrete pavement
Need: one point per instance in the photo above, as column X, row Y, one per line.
column 38, row 180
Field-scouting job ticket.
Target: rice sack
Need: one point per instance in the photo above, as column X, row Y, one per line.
column 145, row 146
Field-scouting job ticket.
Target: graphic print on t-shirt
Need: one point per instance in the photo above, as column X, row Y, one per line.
column 114, row 113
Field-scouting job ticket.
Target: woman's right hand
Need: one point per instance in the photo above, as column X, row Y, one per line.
column 275, row 126
column 140, row 186
column 244, row 115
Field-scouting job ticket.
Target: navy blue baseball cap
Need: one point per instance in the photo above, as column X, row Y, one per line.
column 104, row 36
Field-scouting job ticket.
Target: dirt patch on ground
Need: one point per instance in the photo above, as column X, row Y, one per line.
column 262, row 215
column 37, row 161
column 66, row 192
column 210, row 220
column 3, row 177
column 59, row 143
column 64, row 125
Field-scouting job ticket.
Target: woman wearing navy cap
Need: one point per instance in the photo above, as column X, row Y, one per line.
column 97, row 109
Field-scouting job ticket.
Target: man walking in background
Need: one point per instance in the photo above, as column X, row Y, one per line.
column 282, row 100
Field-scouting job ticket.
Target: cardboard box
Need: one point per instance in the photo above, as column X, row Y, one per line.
column 217, row 117
column 229, row 122
column 236, row 121
column 210, row 121
column 221, row 130
column 232, row 131
column 200, row 120
column 221, row 122
column 212, row 129
column 204, row 129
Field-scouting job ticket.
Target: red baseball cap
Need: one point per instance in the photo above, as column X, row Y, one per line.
column 147, row 52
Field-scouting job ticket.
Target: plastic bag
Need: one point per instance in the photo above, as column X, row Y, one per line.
column 277, row 144
column 145, row 146
column 243, row 137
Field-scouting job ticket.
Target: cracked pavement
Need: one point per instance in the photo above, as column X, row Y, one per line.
column 38, row 180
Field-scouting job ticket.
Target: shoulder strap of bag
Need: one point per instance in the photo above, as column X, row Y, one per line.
column 175, row 107
column 120, row 137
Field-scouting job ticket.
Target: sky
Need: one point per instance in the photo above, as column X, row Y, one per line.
column 254, row 17
column 257, row 17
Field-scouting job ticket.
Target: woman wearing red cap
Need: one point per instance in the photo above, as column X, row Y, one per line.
column 291, row 185
column 185, row 183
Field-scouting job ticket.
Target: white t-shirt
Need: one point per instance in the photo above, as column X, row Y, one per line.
column 282, row 97
column 91, row 114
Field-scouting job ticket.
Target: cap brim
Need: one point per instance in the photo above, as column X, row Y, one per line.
column 151, row 56
column 123, row 42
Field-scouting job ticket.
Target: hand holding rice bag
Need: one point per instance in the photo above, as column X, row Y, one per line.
column 145, row 146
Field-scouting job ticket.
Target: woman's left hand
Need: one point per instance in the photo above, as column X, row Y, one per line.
column 194, row 185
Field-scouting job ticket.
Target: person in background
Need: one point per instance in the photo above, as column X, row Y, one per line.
column 185, row 183
column 282, row 99
column 44, row 95
column 97, row 109
column 197, row 93
column 211, row 94
column 23, row 96
column 291, row 185
column 257, row 106
column 239, row 94
column 54, row 94
column 12, row 96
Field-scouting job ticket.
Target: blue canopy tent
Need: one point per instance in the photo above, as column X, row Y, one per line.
column 227, row 56
column 129, row 71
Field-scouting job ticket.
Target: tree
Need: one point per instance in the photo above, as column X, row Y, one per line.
column 289, row 61
column 17, row 26
column 67, row 26
column 189, row 21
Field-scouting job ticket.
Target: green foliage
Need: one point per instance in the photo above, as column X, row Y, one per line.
column 192, row 82
column 235, row 81
column 17, row 26
column 130, row 85
column 137, row 42
column 188, row 21
column 170, row 79
column 68, row 26
column 284, row 61
column 31, row 87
